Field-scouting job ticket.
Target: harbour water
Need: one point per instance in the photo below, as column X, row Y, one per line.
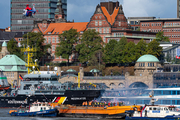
column 5, row 116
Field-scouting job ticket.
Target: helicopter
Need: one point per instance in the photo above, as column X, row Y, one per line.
column 28, row 12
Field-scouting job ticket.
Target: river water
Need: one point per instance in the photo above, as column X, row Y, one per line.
column 5, row 116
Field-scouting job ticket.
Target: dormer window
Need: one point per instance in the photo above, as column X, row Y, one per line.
column 49, row 32
column 81, row 32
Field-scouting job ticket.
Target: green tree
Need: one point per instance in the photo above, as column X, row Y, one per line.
column 119, row 50
column 90, row 42
column 14, row 49
column 154, row 49
column 36, row 40
column 161, row 38
column 129, row 53
column 141, row 48
column 96, row 60
column 67, row 42
column 109, row 52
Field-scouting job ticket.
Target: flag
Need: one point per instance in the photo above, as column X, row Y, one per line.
column 20, row 77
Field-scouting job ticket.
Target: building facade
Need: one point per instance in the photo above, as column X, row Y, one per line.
column 170, row 27
column 45, row 10
column 109, row 20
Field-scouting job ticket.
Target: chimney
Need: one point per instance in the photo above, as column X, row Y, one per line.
column 117, row 4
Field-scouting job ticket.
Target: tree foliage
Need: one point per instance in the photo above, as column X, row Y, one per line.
column 109, row 52
column 153, row 48
column 36, row 40
column 119, row 48
column 90, row 42
column 96, row 60
column 14, row 49
column 141, row 48
column 129, row 53
column 67, row 42
column 161, row 38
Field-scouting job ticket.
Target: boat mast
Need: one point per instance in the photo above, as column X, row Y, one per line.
column 28, row 56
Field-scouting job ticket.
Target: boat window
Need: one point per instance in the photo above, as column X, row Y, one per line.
column 39, row 104
column 44, row 108
column 158, row 108
column 43, row 104
column 26, row 87
column 150, row 108
column 166, row 109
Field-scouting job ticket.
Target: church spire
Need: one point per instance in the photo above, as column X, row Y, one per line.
column 120, row 10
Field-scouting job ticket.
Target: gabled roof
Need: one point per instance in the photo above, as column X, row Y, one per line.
column 13, row 62
column 58, row 28
column 110, row 18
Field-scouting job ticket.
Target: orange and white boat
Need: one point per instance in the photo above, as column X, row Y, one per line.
column 91, row 111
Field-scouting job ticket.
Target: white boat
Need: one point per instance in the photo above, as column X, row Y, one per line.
column 154, row 112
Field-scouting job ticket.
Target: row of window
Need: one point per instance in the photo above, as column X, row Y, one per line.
column 54, row 40
column 22, row 22
column 34, row 16
column 153, row 24
column 153, row 30
column 171, row 24
column 22, row 27
column 134, row 22
column 22, row 5
column 118, row 34
column 45, row 10
column 173, row 36
column 101, row 30
column 149, row 64
column 171, row 30
column 9, row 75
column 144, row 35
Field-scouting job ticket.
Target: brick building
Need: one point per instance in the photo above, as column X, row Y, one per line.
column 171, row 27
column 109, row 20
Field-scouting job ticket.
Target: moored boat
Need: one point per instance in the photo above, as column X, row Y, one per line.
column 154, row 112
column 92, row 111
column 36, row 109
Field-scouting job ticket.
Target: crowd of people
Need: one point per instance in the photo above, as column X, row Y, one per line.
column 95, row 103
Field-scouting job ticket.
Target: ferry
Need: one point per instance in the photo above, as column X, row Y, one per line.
column 36, row 109
column 46, row 88
column 154, row 112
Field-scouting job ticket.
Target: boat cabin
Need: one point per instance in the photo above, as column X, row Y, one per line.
column 159, row 111
column 40, row 106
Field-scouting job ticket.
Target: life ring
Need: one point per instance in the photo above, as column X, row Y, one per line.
column 135, row 108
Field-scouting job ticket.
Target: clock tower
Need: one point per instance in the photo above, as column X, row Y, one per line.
column 59, row 13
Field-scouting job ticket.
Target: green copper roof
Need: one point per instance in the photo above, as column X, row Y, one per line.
column 148, row 58
column 70, row 70
column 12, row 63
column 4, row 44
column 94, row 70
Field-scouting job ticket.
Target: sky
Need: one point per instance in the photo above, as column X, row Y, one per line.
column 82, row 10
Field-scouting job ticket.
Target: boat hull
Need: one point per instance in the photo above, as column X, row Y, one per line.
column 45, row 113
column 84, row 111
column 74, row 97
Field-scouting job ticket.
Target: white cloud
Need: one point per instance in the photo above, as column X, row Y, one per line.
column 149, row 8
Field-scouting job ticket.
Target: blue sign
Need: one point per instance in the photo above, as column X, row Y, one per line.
column 156, row 111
